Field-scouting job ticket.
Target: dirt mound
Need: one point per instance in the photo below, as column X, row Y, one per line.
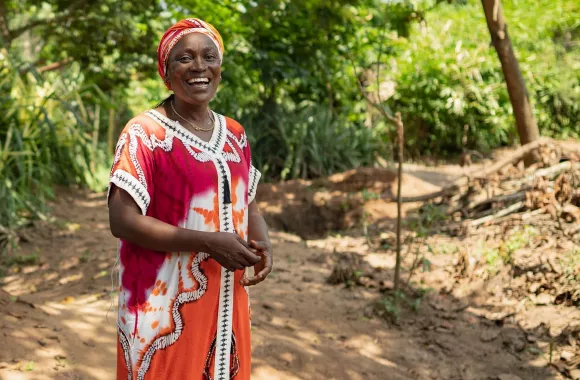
column 342, row 201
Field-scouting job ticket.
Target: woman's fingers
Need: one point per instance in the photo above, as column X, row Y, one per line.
column 256, row 279
column 259, row 245
column 249, row 257
column 232, row 265
column 262, row 274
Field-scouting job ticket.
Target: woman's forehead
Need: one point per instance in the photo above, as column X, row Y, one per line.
column 195, row 41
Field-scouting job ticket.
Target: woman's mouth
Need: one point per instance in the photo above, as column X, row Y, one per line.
column 199, row 83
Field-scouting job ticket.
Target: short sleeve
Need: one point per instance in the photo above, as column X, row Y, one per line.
column 133, row 165
column 253, row 176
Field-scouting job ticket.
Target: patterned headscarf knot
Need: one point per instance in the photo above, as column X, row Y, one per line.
column 176, row 32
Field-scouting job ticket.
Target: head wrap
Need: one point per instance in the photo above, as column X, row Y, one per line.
column 176, row 32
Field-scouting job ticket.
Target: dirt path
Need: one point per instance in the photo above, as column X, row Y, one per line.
column 302, row 328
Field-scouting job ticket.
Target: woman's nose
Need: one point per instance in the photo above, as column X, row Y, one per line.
column 198, row 64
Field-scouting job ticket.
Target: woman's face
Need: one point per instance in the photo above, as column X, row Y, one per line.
column 194, row 69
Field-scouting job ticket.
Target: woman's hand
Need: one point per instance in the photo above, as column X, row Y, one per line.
column 231, row 251
column 264, row 267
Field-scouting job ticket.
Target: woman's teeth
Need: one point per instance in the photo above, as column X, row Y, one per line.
column 199, row 81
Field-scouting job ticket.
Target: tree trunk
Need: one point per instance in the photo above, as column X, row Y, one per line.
column 526, row 123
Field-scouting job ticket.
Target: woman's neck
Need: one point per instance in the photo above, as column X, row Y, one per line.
column 192, row 112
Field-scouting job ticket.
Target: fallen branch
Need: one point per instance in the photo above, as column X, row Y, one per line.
column 512, row 159
column 506, row 211
column 552, row 171
column 519, row 196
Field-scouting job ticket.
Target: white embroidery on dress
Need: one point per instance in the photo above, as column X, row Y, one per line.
column 137, row 187
column 126, row 350
column 131, row 185
column 201, row 156
column 167, row 340
column 253, row 179
column 151, row 142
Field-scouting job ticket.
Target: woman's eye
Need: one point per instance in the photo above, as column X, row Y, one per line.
column 210, row 57
column 184, row 59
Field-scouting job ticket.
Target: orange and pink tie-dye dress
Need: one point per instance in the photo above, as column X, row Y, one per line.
column 181, row 315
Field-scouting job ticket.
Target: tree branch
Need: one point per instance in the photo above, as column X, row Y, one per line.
column 383, row 112
column 54, row 66
column 4, row 23
column 49, row 67
column 70, row 13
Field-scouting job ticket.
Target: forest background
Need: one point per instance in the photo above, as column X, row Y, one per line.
column 73, row 72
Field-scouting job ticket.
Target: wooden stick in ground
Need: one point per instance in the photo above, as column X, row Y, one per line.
column 400, row 137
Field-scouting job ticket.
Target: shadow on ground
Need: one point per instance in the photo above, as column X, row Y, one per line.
column 303, row 328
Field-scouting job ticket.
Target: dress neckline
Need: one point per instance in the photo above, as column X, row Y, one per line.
column 215, row 143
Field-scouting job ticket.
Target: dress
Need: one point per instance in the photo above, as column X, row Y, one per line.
column 179, row 311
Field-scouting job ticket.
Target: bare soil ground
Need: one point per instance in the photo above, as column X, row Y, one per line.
column 55, row 300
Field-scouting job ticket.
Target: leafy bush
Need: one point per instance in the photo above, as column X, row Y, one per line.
column 309, row 141
column 48, row 136
column 448, row 76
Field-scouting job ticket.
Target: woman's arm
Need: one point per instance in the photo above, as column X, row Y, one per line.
column 129, row 224
column 259, row 240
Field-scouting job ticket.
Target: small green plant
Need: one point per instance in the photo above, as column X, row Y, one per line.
column 493, row 259
column 369, row 195
column 85, row 256
column 570, row 262
column 29, row 367
column 520, row 238
column 431, row 214
column 444, row 249
column 392, row 305
column 517, row 240
column 353, row 280
column 23, row 260
column 502, row 255
column 386, row 245
column 534, row 351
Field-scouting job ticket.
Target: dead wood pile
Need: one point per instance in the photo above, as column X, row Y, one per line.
column 545, row 195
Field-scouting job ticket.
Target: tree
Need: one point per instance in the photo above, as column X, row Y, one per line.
column 111, row 39
column 519, row 98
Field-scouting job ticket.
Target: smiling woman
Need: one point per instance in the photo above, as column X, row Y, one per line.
column 182, row 203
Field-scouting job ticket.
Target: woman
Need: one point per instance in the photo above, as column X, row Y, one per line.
column 182, row 203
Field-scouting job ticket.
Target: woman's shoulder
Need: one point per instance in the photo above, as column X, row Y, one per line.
column 150, row 121
column 234, row 126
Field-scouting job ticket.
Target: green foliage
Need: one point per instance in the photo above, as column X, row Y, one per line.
column 21, row 260
column 48, row 136
column 369, row 195
column 290, row 76
column 503, row 255
column 448, row 76
column 29, row 367
column 392, row 305
column 309, row 142
column 112, row 40
column 570, row 263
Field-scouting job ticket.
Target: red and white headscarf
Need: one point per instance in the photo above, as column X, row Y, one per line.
column 176, row 32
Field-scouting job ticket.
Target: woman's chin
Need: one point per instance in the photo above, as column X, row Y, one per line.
column 197, row 98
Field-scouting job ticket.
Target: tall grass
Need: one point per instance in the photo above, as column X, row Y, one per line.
column 49, row 134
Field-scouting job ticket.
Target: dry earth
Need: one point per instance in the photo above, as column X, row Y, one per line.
column 54, row 325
